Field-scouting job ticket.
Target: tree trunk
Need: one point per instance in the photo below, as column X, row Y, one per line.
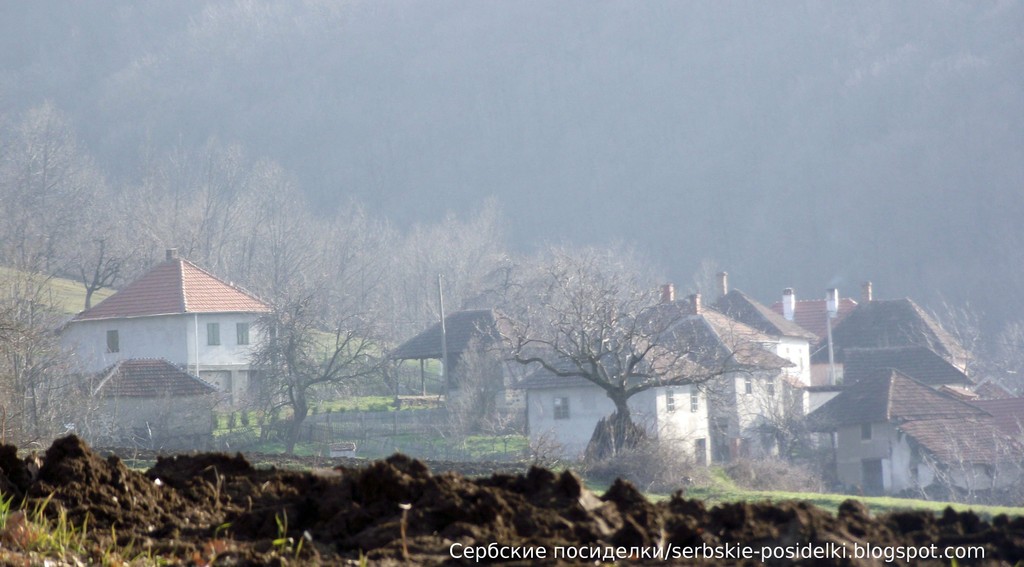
column 615, row 433
column 301, row 408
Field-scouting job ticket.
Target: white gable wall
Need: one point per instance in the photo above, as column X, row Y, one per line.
column 139, row 337
column 172, row 338
column 569, row 436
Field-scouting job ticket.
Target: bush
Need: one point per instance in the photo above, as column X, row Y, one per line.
column 773, row 474
column 653, row 466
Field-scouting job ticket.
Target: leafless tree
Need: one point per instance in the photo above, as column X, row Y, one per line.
column 303, row 348
column 594, row 320
column 45, row 181
column 35, row 374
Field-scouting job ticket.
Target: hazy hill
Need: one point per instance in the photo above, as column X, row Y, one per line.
column 805, row 144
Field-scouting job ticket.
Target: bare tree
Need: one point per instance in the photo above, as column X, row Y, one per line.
column 45, row 181
column 35, row 373
column 303, row 348
column 593, row 320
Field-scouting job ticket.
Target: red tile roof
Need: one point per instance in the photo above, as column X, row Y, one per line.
column 172, row 287
column 149, row 378
column 1009, row 413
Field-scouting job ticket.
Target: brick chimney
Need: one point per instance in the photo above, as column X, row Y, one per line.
column 723, row 284
column 695, row 303
column 788, row 304
column 668, row 293
column 172, row 254
column 865, row 292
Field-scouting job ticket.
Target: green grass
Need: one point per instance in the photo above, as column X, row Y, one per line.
column 723, row 490
column 63, row 294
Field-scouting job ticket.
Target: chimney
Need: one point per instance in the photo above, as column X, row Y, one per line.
column 695, row 303
column 723, row 284
column 832, row 302
column 865, row 292
column 172, row 254
column 668, row 293
column 788, row 304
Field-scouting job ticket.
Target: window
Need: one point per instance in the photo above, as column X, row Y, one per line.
column 213, row 334
column 670, row 401
column 561, row 408
column 748, row 386
column 242, row 332
column 771, row 386
column 113, row 341
column 865, row 431
column 694, row 402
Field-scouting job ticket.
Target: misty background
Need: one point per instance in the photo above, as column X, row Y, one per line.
column 793, row 144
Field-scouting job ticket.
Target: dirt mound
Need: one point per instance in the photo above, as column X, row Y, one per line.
column 218, row 509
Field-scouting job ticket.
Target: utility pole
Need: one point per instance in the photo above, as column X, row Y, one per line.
column 444, row 339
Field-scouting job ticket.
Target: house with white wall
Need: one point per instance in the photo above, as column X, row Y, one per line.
column 895, row 434
column 562, row 413
column 177, row 312
column 791, row 341
column 741, row 385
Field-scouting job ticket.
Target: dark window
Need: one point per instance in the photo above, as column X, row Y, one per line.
column 700, row 451
column 670, row 401
column 865, row 431
column 771, row 386
column 113, row 342
column 749, row 385
column 561, row 408
column 694, row 402
column 871, row 472
column 242, row 330
column 213, row 334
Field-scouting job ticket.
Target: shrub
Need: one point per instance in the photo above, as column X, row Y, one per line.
column 773, row 474
column 653, row 465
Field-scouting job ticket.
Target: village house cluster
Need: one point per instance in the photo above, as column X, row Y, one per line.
column 879, row 382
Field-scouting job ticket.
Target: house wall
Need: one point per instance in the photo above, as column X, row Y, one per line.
column 735, row 415
column 797, row 351
column 178, row 422
column 588, row 404
column 173, row 338
column 903, row 469
column 819, row 374
column 142, row 337
column 852, row 451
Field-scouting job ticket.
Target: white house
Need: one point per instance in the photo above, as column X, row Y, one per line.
column 561, row 414
column 177, row 312
column 742, row 385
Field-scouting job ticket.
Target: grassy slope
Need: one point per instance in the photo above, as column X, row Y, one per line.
column 67, row 295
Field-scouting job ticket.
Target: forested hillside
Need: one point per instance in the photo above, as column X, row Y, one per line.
column 803, row 144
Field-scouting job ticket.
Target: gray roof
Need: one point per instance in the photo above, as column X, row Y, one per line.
column 748, row 310
column 918, row 362
column 887, row 324
column 461, row 328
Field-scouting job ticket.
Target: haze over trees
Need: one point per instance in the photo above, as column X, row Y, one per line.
column 368, row 147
